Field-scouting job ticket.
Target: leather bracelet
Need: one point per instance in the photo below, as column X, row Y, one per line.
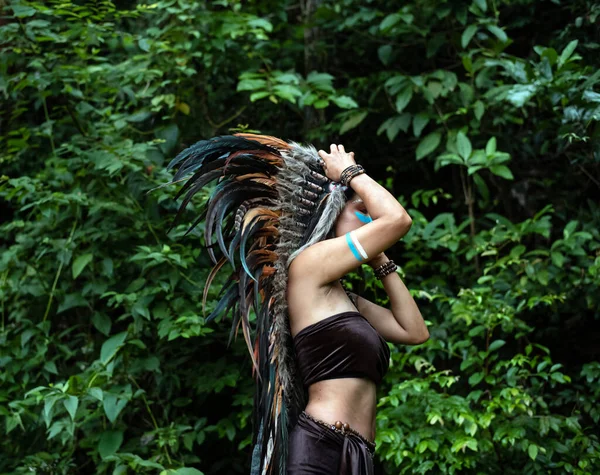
column 385, row 269
column 350, row 172
column 346, row 173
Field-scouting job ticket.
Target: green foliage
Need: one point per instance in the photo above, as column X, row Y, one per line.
column 491, row 142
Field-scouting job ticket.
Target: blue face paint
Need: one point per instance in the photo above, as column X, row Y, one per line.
column 365, row 218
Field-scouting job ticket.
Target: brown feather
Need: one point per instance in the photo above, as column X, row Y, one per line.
column 266, row 140
column 209, row 280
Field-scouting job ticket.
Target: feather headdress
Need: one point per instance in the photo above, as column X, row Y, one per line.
column 272, row 201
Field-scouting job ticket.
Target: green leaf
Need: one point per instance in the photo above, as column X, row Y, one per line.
column 468, row 35
column 475, row 378
column 519, row 94
column 111, row 346
column 12, row 421
column 570, row 228
column 404, row 98
column 352, row 121
column 448, row 158
column 113, row 406
column 185, row 471
column 144, row 44
column 428, row 144
column 490, row 148
column 482, row 5
column 478, row 109
column 321, row 104
column 55, row 429
column 261, row 23
column 385, row 54
column 496, row 344
column 47, row 411
column 321, row 81
column 344, row 102
column 532, row 450
column 498, row 33
column 551, row 55
column 71, row 301
column 558, row 259
column 102, row 323
column 543, row 277
column 110, row 442
column 389, row 21
column 591, row 96
column 466, row 93
column 139, row 116
column 517, row 251
column 71, row 403
column 463, row 144
column 50, row 366
column 79, row 264
column 96, row 393
column 251, row 84
column 468, row 64
column 255, row 96
column 420, row 121
column 503, row 171
column 22, row 11
column 288, row 92
column 567, row 52
column 395, row 124
column 288, row 78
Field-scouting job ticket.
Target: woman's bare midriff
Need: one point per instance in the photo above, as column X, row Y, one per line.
column 351, row 400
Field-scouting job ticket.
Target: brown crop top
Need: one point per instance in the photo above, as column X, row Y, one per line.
column 344, row 345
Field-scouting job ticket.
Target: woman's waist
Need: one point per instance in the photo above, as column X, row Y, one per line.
column 349, row 400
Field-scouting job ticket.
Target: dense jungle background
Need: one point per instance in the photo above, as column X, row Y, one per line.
column 482, row 117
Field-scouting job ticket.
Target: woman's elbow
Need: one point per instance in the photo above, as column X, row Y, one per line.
column 402, row 222
column 420, row 338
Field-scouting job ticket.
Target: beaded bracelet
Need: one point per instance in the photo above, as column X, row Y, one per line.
column 385, row 269
column 350, row 172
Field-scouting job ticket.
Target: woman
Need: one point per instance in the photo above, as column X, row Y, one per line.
column 331, row 333
column 278, row 207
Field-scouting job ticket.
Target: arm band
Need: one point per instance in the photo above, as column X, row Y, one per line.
column 355, row 246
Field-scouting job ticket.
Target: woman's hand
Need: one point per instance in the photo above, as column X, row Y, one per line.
column 336, row 161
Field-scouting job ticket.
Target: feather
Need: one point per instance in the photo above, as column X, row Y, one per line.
column 209, row 280
column 271, row 199
column 230, row 296
column 254, row 225
column 269, row 140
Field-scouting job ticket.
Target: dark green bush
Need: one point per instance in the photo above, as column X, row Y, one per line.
column 482, row 117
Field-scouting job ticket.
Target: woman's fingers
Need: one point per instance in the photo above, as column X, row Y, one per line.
column 334, row 148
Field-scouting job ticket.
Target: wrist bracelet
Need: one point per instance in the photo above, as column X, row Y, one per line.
column 350, row 172
column 385, row 269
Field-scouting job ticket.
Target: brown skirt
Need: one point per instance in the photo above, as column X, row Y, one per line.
column 318, row 450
